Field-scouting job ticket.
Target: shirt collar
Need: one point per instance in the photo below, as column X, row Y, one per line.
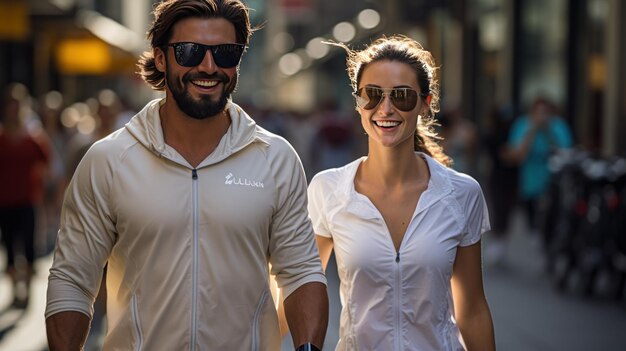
column 439, row 185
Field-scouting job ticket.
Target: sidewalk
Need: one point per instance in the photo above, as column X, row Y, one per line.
column 530, row 314
column 24, row 330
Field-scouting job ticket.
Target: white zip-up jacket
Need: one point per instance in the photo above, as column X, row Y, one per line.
column 187, row 249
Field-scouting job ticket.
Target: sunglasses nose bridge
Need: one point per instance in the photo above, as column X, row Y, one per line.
column 208, row 62
column 385, row 104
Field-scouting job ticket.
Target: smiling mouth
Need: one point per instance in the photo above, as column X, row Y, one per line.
column 204, row 83
column 387, row 124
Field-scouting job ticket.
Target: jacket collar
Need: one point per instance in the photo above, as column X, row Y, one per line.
column 145, row 126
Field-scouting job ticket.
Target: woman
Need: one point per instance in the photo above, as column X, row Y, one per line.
column 405, row 228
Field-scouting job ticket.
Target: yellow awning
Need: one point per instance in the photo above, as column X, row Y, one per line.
column 14, row 20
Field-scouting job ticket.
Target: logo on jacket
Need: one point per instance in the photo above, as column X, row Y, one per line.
column 232, row 180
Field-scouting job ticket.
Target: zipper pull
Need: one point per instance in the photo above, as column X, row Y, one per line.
column 194, row 174
column 398, row 256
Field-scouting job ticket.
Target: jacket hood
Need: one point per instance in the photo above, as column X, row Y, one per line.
column 145, row 126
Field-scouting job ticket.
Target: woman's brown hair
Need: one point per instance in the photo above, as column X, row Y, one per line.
column 406, row 50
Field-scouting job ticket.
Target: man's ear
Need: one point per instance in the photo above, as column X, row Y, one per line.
column 159, row 59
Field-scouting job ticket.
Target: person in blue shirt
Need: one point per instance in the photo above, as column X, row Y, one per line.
column 532, row 139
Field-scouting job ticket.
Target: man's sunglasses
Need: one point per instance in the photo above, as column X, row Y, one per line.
column 404, row 99
column 190, row 54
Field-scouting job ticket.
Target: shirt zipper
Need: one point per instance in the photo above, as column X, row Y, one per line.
column 194, row 273
column 397, row 304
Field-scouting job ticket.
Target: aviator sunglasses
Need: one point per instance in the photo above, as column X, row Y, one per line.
column 190, row 54
column 404, row 99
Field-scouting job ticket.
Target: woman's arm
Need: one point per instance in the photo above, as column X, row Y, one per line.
column 470, row 305
column 325, row 247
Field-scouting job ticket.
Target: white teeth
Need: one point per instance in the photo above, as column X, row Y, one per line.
column 387, row 124
column 205, row 83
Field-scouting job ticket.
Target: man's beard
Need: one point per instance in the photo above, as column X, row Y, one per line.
column 204, row 107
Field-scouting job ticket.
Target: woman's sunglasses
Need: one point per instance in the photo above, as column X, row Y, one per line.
column 190, row 54
column 404, row 99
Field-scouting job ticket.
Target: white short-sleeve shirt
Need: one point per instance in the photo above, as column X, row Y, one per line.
column 398, row 300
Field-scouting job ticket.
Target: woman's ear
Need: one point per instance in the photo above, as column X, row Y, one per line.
column 426, row 107
column 159, row 59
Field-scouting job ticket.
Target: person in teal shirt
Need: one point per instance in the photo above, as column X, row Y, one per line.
column 532, row 139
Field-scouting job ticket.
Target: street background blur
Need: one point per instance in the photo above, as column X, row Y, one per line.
column 554, row 282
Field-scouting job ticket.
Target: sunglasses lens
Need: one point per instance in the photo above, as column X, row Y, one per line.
column 227, row 55
column 373, row 96
column 188, row 54
column 192, row 54
column 404, row 99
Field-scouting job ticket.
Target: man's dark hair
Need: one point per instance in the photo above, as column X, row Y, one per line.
column 168, row 12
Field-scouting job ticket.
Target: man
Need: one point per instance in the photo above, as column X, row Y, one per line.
column 188, row 204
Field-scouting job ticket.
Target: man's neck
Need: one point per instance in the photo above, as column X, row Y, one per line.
column 194, row 139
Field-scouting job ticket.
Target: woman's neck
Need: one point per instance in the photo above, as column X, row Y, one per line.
column 391, row 167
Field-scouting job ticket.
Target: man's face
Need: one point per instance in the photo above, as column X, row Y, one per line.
column 201, row 91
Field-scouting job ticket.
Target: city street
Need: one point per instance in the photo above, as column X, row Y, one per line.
column 528, row 313
column 526, row 97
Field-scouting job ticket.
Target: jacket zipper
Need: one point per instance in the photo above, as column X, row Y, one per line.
column 136, row 324
column 397, row 304
column 194, row 273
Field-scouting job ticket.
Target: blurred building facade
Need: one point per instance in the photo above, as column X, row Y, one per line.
column 492, row 53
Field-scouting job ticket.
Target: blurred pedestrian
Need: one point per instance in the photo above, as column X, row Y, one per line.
column 533, row 138
column 24, row 158
column 334, row 142
column 405, row 228
column 301, row 131
column 50, row 106
column 460, row 141
column 106, row 110
column 502, row 182
column 188, row 204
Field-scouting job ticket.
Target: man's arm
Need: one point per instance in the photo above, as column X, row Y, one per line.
column 86, row 236
column 67, row 330
column 307, row 314
column 325, row 246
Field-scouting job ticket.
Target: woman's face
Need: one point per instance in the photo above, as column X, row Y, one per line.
column 385, row 124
